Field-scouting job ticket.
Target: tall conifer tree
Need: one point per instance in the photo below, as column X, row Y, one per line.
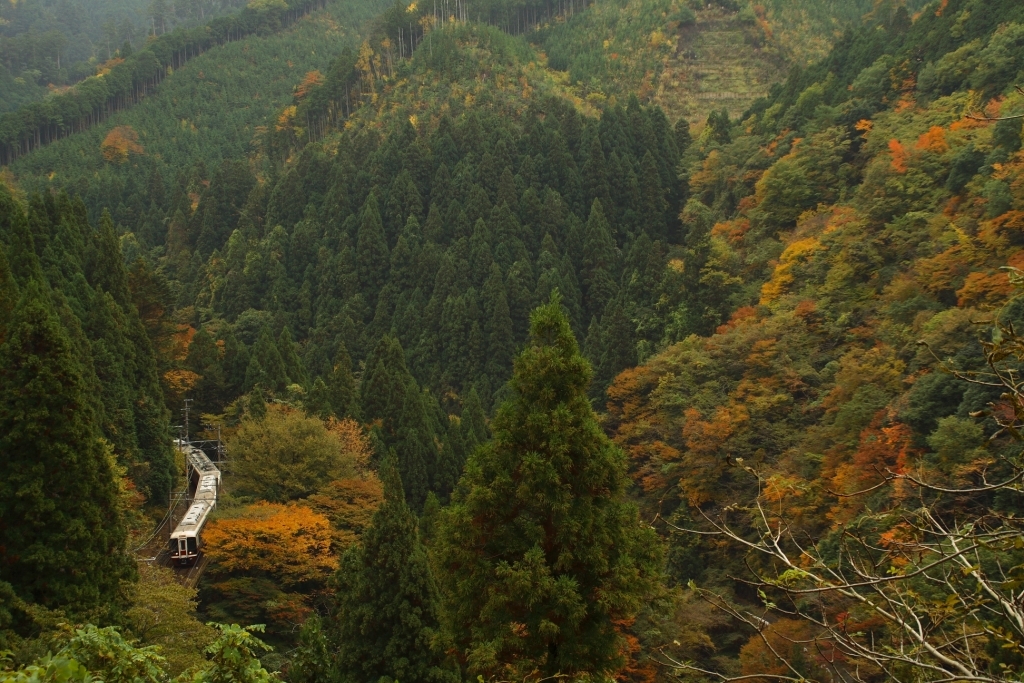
column 599, row 262
column 372, row 255
column 62, row 530
column 540, row 552
column 417, row 455
column 341, row 386
column 386, row 621
column 293, row 365
column 384, row 385
column 266, row 367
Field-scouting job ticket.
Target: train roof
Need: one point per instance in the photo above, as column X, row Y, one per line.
column 194, row 519
column 205, row 499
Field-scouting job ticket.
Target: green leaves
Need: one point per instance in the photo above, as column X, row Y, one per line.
column 234, row 657
column 539, row 553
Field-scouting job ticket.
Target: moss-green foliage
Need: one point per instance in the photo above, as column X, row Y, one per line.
column 284, row 456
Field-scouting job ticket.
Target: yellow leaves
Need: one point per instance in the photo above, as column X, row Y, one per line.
column 865, row 125
column 354, row 442
column 284, row 121
column 104, row 68
column 778, row 488
column 181, row 381
column 783, row 276
column 265, row 5
column 365, row 62
column 119, row 143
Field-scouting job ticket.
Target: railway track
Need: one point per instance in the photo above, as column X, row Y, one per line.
column 178, row 547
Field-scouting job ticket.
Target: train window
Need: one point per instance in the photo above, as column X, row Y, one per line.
column 192, row 545
column 173, row 545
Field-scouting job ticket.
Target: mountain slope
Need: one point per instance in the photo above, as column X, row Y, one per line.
column 208, row 111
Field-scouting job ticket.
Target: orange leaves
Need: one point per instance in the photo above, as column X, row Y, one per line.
column 290, row 543
column 310, row 81
column 739, row 316
column 941, row 271
column 704, row 459
column 988, row 289
column 181, row 340
column 349, row 504
column 734, row 230
column 881, row 451
column 899, row 156
column 705, row 437
column 104, row 68
column 792, row 639
column 633, row 670
column 933, row 141
column 119, row 143
column 627, row 395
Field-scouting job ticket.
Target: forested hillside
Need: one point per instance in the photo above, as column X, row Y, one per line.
column 546, row 341
column 47, row 46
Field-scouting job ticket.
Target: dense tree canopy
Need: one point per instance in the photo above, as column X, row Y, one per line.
column 330, row 233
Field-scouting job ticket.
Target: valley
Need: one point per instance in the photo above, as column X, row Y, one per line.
column 644, row 340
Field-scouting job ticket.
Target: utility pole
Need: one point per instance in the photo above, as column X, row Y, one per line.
column 188, row 405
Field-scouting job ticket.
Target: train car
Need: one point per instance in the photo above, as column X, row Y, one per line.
column 185, row 544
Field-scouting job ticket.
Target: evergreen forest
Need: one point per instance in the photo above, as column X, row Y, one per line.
column 645, row 341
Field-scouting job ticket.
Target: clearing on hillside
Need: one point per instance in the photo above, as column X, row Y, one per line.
column 716, row 65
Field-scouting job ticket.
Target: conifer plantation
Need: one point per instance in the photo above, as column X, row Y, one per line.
column 647, row 341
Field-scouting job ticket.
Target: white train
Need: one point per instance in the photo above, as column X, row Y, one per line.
column 204, row 479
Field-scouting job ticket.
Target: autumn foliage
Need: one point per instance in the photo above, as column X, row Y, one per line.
column 292, row 543
column 269, row 562
column 119, row 143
